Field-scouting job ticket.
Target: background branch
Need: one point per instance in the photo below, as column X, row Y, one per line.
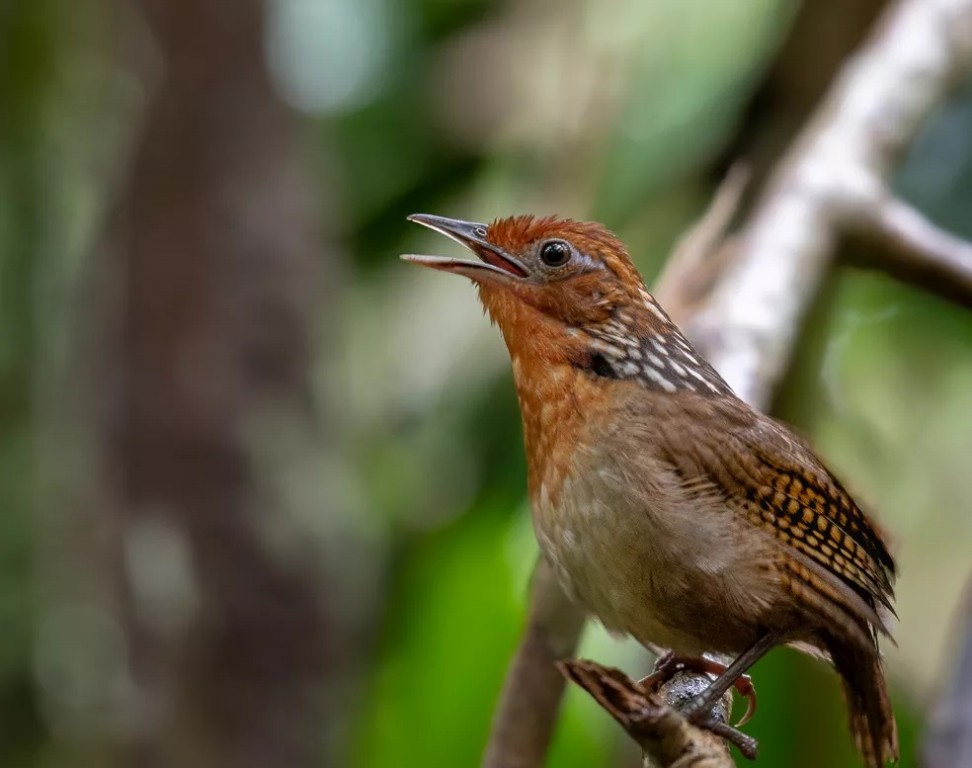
column 528, row 705
column 836, row 173
column 832, row 180
column 909, row 247
column 949, row 739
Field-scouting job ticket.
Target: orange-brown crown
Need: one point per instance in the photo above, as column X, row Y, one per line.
column 516, row 233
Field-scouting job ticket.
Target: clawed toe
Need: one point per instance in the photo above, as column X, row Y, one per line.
column 747, row 745
column 744, row 685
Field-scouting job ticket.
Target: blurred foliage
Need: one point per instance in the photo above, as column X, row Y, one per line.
column 27, row 56
column 480, row 109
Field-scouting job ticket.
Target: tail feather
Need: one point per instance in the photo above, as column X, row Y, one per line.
column 871, row 717
column 850, row 640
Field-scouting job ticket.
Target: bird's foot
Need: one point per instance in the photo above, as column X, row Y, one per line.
column 671, row 664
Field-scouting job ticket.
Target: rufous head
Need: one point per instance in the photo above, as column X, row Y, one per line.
column 566, row 292
column 538, row 273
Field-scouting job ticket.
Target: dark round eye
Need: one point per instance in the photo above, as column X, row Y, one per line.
column 555, row 253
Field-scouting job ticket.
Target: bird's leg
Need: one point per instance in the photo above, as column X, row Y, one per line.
column 697, row 710
column 670, row 664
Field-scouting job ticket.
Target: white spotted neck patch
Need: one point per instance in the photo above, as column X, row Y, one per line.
column 661, row 359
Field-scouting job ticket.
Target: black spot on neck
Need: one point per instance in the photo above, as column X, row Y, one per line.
column 597, row 364
column 601, row 367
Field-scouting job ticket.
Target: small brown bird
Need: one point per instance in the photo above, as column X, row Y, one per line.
column 671, row 509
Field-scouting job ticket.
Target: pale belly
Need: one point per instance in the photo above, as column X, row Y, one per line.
column 670, row 571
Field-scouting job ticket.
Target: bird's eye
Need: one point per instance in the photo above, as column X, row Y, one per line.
column 555, row 253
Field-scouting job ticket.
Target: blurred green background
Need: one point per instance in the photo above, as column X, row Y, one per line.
column 621, row 110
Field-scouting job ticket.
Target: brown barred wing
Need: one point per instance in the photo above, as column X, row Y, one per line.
column 807, row 507
column 769, row 475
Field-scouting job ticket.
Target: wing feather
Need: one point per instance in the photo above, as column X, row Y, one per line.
column 774, row 479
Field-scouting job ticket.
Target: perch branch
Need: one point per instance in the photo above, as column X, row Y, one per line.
column 665, row 736
column 835, row 175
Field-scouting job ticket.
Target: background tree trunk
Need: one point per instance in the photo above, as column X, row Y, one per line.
column 206, row 409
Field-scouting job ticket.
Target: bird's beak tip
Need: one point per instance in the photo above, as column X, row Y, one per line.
column 471, row 235
column 428, row 220
column 435, row 262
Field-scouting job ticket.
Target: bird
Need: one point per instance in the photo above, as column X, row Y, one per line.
column 669, row 508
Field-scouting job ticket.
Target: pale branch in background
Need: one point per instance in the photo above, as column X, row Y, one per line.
column 832, row 182
column 948, row 743
column 701, row 254
column 835, row 174
column 911, row 248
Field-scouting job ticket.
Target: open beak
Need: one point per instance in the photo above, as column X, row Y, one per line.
column 494, row 262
